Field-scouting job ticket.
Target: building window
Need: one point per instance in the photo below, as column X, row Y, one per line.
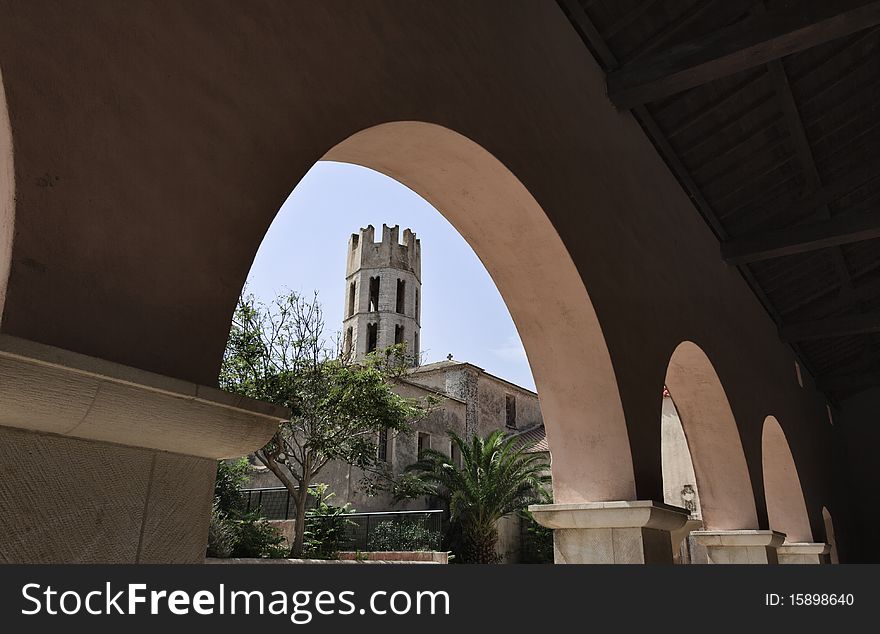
column 351, row 294
column 401, row 296
column 416, row 348
column 424, row 442
column 372, row 337
column 346, row 349
column 382, row 447
column 417, row 305
column 455, row 454
column 510, row 410
column 398, row 334
column 374, row 294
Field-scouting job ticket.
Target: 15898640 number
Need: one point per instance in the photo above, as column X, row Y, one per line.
column 821, row 599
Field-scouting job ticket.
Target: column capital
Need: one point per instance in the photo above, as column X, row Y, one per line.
column 803, row 553
column 50, row 390
column 741, row 538
column 617, row 514
column 740, row 546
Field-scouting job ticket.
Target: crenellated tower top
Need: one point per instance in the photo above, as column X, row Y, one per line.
column 383, row 287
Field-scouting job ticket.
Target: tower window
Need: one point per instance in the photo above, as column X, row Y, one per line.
column 416, row 347
column 398, row 334
column 401, row 296
column 417, row 306
column 510, row 409
column 346, row 346
column 382, row 447
column 351, row 294
column 372, row 337
column 374, row 294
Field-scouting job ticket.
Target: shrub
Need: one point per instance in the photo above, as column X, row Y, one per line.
column 402, row 535
column 256, row 537
column 221, row 534
column 325, row 526
column 231, row 477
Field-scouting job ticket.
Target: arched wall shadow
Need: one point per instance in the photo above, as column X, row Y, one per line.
column 786, row 509
column 713, row 439
column 7, row 195
column 538, row 281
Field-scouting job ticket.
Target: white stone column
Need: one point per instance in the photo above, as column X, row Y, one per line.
column 635, row 532
column 740, row 547
column 803, row 553
column 107, row 463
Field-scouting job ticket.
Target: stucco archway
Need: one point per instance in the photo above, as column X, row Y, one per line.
column 722, row 475
column 786, row 509
column 7, row 195
column 538, row 281
column 830, row 538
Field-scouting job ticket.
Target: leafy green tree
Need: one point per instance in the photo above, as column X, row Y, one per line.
column 278, row 353
column 496, row 478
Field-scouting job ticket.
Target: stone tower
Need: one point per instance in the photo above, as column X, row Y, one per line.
column 383, row 282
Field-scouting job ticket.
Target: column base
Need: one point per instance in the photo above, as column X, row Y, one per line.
column 635, row 532
column 740, row 547
column 803, row 553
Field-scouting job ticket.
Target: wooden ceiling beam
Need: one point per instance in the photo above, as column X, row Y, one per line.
column 842, row 229
column 752, row 42
column 830, row 327
column 847, row 382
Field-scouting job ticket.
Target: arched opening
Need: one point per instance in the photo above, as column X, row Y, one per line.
column 7, row 196
column 786, row 509
column 830, row 539
column 719, row 464
column 679, row 482
column 524, row 255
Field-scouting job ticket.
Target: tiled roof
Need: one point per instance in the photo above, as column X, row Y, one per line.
column 534, row 439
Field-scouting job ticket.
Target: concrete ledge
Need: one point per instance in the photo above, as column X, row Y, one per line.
column 745, row 538
column 50, row 390
column 635, row 514
column 804, row 548
column 402, row 556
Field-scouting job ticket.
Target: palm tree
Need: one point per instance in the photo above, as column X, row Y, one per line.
column 496, row 478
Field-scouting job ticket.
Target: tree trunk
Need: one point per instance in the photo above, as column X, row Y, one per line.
column 479, row 546
column 299, row 524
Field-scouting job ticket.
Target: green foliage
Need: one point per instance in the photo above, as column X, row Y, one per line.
column 234, row 532
column 496, row 478
column 325, row 525
column 243, row 535
column 277, row 353
column 221, row 533
column 537, row 540
column 256, row 537
column 402, row 535
column 231, row 478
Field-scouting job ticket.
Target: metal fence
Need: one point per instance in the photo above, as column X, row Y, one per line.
column 361, row 531
column 276, row 503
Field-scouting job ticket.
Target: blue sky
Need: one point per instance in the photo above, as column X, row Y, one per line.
column 305, row 248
